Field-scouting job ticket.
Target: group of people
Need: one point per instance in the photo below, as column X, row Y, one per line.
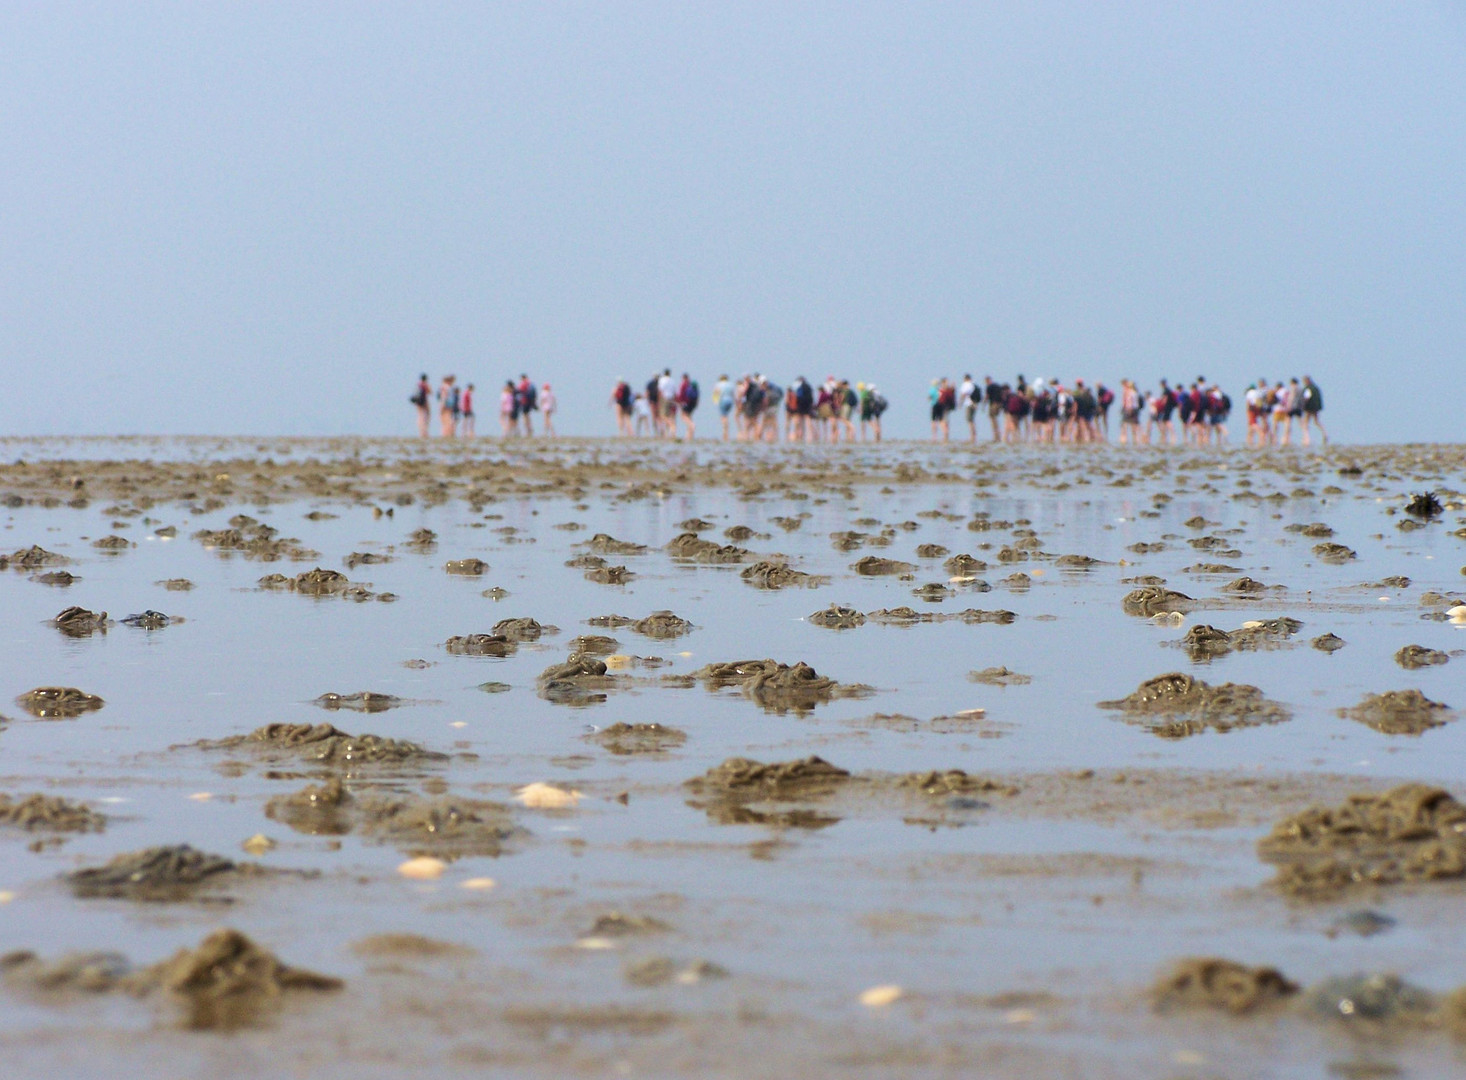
column 1271, row 411
column 752, row 409
column 755, row 409
column 518, row 402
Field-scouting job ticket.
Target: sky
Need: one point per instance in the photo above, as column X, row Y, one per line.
column 268, row 218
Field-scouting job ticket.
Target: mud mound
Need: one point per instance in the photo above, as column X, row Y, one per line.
column 78, row 622
column 594, row 645
column 327, row 745
column 953, row 782
column 52, row 702
column 153, row 874
column 150, row 620
column 316, row 810
column 444, row 827
column 778, row 687
column 602, row 544
column 1410, row 833
column 1377, row 1003
column 779, row 780
column 49, row 813
column 1328, row 643
column 624, row 739
column 609, row 575
column 838, row 617
column 1412, row 657
column 1174, row 706
column 1246, row 586
column 1211, row 983
column 907, row 616
column 367, row 701
column 1204, row 642
column 227, row 982
column 778, row 575
column 999, row 676
column 466, row 567
column 874, row 565
column 662, row 626
column 1333, row 553
column 32, row 558
column 497, row 645
column 254, row 541
column 1425, row 505
column 1399, row 712
column 580, row 680
column 694, row 548
column 964, row 566
column 523, row 629
column 1155, row 600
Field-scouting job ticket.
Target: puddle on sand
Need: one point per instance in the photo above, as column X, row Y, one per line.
column 1024, row 911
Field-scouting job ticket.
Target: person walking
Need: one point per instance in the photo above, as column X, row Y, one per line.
column 547, row 406
column 621, row 401
column 419, row 400
column 688, row 396
column 467, row 430
column 509, row 409
column 447, row 406
column 723, row 398
column 528, row 403
column 1312, row 406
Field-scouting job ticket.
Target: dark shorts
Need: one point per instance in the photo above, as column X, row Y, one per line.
column 937, row 413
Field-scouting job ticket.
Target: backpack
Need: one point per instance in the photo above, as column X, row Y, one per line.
column 877, row 404
column 693, row 395
column 1106, row 397
column 947, row 399
column 623, row 394
column 791, row 400
column 975, row 395
column 453, row 400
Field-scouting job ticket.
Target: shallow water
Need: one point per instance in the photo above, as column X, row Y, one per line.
column 1074, row 892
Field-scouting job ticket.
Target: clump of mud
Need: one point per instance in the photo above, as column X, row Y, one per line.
column 466, row 567
column 838, row 617
column 908, row 616
column 447, row 828
column 1205, row 642
column 154, row 874
column 78, row 622
column 624, row 739
column 1333, row 553
column 1412, row 657
column 690, row 546
column 53, row 702
column 1175, row 706
column 60, row 578
column 609, row 575
column 254, row 540
column 662, row 626
column 580, row 680
column 368, row 701
column 177, row 584
column 523, row 629
column 1375, row 1003
column 778, row 687
column 999, row 676
column 964, row 566
column 481, row 645
column 227, row 982
column 32, row 558
column 316, row 810
column 325, row 745
column 320, row 582
column 1413, row 832
column 1155, row 600
column 779, row 575
column 874, row 566
column 49, row 813
column 1399, row 712
column 594, row 644
column 1328, row 643
column 755, row 780
column 150, row 620
column 953, row 782
column 1212, row 983
column 602, row 544
column 1246, row 586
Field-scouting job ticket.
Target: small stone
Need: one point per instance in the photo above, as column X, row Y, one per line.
column 542, row 796
column 879, row 996
column 258, row 844
column 423, row 868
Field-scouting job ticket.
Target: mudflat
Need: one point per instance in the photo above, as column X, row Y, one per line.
column 719, row 760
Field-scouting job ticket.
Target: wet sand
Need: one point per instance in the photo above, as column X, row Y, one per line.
column 597, row 758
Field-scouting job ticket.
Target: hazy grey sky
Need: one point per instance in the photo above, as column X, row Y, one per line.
column 268, row 218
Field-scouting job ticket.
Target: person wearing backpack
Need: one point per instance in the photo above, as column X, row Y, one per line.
column 877, row 407
column 1104, row 398
column 419, row 400
column 468, row 430
column 447, row 406
column 1312, row 406
column 528, row 402
column 688, row 396
column 622, row 402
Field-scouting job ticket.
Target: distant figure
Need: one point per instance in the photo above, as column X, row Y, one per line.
column 509, row 409
column 527, row 403
column 1312, row 406
column 622, row 402
column 970, row 396
column 667, row 398
column 641, row 410
column 448, row 406
column 688, row 395
column 723, row 398
column 467, row 430
column 420, row 400
column 547, row 406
